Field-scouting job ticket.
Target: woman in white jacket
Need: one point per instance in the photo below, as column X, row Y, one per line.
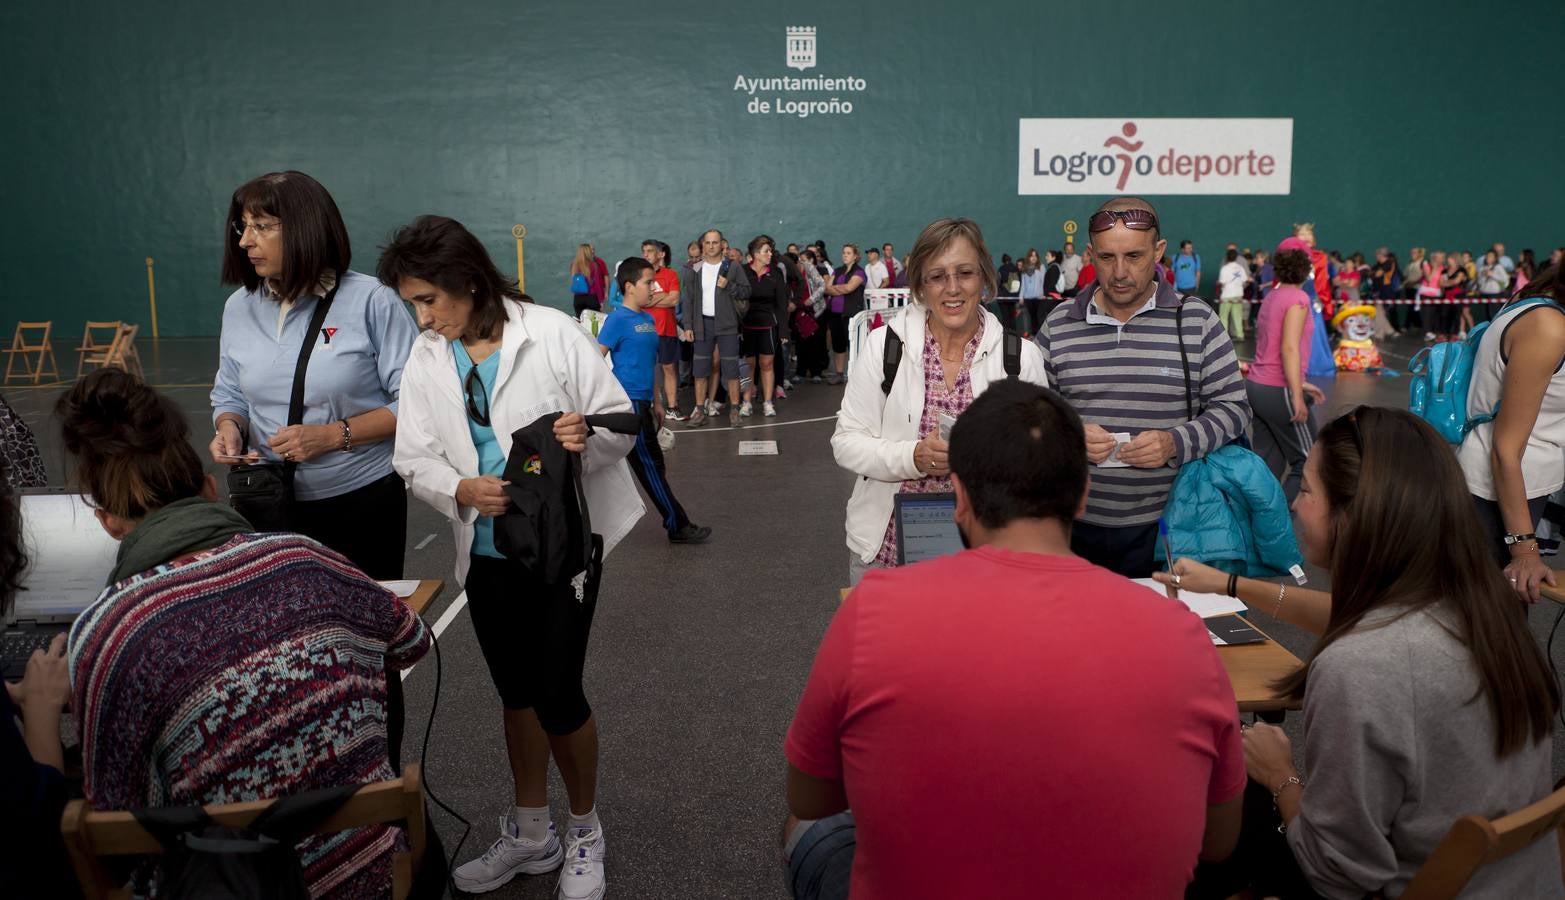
column 484, row 366
column 952, row 349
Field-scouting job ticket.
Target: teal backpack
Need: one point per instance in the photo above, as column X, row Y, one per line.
column 1443, row 376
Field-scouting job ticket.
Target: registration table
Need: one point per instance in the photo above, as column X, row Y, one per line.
column 1251, row 669
column 427, row 592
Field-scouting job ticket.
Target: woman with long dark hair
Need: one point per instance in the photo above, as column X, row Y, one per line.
column 1425, row 699
column 33, row 790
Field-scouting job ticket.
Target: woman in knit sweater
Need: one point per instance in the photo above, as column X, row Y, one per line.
column 1425, row 699
column 219, row 665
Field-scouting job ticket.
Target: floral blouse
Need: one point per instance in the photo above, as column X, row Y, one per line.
column 938, row 399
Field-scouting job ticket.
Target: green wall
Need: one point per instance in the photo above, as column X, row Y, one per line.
column 128, row 126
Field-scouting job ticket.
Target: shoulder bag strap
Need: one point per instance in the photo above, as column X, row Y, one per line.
column 1184, row 358
column 891, row 361
column 296, row 399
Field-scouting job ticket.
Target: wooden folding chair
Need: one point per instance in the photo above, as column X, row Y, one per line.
column 1474, row 842
column 20, row 348
column 123, row 354
column 94, row 351
column 91, row 834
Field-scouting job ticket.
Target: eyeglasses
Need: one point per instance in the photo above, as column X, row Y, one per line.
column 939, row 278
column 1134, row 219
column 481, row 416
column 260, row 229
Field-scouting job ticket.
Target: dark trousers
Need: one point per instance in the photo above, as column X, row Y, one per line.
column 370, row 527
column 1126, row 551
column 813, row 361
column 1263, row 862
column 646, row 460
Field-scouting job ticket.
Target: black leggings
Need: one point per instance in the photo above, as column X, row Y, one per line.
column 534, row 637
column 584, row 301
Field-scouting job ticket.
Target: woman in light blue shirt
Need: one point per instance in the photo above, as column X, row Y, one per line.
column 1032, row 291
column 287, row 248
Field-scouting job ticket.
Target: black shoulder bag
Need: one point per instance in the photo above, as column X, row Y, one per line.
column 263, row 492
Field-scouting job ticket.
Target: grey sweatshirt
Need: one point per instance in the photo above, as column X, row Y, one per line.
column 1398, row 744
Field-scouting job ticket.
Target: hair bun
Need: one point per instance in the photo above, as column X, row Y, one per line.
column 111, row 412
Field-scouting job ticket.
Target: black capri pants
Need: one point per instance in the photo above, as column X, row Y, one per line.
column 534, row 637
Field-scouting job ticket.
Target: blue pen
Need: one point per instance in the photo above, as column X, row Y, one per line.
column 1168, row 553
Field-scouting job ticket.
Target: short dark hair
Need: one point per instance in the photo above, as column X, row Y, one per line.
column 315, row 240
column 1232, row 254
column 1184, row 244
column 443, row 252
column 630, row 270
column 1291, row 266
column 1020, row 452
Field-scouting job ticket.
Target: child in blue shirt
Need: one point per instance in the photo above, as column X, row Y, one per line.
column 630, row 338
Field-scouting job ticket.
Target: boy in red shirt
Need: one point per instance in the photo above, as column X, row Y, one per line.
column 665, row 296
column 1012, row 721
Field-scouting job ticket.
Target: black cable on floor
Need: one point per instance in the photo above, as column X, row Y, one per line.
column 429, row 726
column 1553, row 669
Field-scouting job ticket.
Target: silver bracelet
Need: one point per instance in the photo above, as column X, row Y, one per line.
column 1282, row 591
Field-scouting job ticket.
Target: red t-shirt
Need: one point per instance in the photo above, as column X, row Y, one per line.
column 663, row 316
column 1073, row 725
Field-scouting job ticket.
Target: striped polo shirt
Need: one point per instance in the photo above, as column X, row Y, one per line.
column 1129, row 378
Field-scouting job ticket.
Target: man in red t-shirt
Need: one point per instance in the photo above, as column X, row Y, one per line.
column 1012, row 721
column 665, row 296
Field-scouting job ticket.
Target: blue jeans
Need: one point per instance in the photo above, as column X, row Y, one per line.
column 820, row 858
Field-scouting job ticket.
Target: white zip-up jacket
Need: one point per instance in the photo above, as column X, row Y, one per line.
column 547, row 364
column 876, row 432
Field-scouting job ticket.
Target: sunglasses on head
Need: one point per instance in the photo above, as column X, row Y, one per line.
column 481, row 416
column 1134, row 219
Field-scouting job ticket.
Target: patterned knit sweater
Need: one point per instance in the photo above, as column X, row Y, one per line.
column 250, row 671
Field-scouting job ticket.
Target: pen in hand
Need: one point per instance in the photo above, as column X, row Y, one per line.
column 1168, row 552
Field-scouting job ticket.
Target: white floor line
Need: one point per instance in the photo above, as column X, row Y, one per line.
column 441, row 624
column 688, row 430
column 424, row 543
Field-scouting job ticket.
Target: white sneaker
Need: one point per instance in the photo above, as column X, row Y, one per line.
column 745, row 409
column 508, row 857
column 582, row 876
column 767, row 409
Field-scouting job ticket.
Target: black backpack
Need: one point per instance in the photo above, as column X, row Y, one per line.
column 205, row 860
column 547, row 527
column 893, row 360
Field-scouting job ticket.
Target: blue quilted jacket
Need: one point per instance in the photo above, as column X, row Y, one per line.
column 1228, row 510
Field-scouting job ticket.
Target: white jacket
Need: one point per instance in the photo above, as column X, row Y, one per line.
column 547, row 364
column 876, row 433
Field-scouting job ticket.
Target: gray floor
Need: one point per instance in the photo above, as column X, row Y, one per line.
column 698, row 653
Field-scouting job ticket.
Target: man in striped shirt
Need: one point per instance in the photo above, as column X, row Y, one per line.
column 1114, row 353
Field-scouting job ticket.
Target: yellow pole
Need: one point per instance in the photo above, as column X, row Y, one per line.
column 152, row 298
column 519, row 232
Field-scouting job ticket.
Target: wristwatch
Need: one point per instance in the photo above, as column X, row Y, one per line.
column 1512, row 539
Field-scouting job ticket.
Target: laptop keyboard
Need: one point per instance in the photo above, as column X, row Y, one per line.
column 17, row 646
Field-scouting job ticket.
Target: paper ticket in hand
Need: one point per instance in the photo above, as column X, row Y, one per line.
column 946, row 421
column 1121, row 438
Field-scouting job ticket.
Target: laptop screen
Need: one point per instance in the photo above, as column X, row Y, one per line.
column 926, row 527
column 69, row 556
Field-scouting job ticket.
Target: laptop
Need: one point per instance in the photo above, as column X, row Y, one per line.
column 926, row 526
column 70, row 557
